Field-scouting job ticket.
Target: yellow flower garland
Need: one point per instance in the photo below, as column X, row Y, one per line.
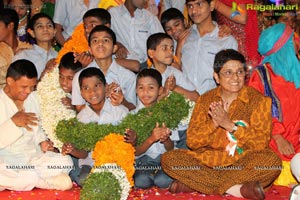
column 77, row 43
column 113, row 149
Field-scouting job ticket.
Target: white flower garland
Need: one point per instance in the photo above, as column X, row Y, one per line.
column 52, row 110
column 185, row 121
column 120, row 175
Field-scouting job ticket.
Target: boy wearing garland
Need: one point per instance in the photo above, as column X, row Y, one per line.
column 67, row 69
column 121, row 82
column 100, row 110
column 148, row 170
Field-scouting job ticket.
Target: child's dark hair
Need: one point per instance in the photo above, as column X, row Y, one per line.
column 208, row 1
column 155, row 39
column 153, row 73
column 37, row 16
column 102, row 28
column 33, row 20
column 21, row 68
column 168, row 15
column 67, row 62
column 226, row 55
column 100, row 13
column 90, row 72
column 28, row 4
column 7, row 16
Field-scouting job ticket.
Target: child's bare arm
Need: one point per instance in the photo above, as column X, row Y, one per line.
column 154, row 137
column 192, row 95
column 132, row 65
column 69, row 148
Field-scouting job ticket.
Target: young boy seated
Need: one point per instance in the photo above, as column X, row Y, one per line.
column 148, row 171
column 121, row 82
column 160, row 52
column 100, row 110
column 67, row 69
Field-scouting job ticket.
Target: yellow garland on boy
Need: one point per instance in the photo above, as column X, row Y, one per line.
column 113, row 149
column 77, row 43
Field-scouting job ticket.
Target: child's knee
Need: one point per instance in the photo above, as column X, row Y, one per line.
column 142, row 181
column 162, row 180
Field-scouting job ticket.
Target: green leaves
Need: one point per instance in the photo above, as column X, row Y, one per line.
column 102, row 185
column 170, row 110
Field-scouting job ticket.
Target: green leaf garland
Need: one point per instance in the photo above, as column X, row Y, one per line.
column 170, row 110
column 102, row 185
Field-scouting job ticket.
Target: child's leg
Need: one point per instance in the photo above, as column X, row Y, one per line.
column 74, row 173
column 162, row 180
column 181, row 144
column 143, row 176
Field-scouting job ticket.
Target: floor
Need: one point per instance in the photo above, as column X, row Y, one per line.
column 275, row 193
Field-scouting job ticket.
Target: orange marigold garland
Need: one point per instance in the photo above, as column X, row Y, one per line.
column 77, row 43
column 113, row 149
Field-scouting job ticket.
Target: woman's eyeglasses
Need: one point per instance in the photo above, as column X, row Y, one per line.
column 230, row 74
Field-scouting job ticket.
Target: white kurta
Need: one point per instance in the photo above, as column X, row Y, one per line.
column 23, row 165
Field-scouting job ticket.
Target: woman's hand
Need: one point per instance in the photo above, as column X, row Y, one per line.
column 283, row 145
column 220, row 116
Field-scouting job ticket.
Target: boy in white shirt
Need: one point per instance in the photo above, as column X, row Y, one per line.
column 121, row 82
column 201, row 46
column 133, row 24
column 100, row 110
column 68, row 14
column 148, row 170
column 161, row 53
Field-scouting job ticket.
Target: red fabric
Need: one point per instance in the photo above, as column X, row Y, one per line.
column 289, row 98
column 275, row 193
column 251, row 32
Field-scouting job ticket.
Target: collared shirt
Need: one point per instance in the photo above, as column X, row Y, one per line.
column 125, row 78
column 179, row 4
column 17, row 144
column 133, row 32
column 156, row 148
column 108, row 115
column 69, row 13
column 38, row 56
column 198, row 55
column 181, row 79
column 208, row 143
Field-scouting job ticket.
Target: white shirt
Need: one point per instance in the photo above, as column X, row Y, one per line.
column 156, row 148
column 69, row 13
column 38, row 56
column 125, row 78
column 198, row 55
column 108, row 115
column 18, row 146
column 179, row 4
column 133, row 32
column 181, row 79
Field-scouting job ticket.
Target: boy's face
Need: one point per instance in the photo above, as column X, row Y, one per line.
column 101, row 45
column 164, row 52
column 199, row 10
column 44, row 30
column 89, row 23
column 65, row 79
column 174, row 28
column 139, row 3
column 93, row 90
column 147, row 90
column 20, row 88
